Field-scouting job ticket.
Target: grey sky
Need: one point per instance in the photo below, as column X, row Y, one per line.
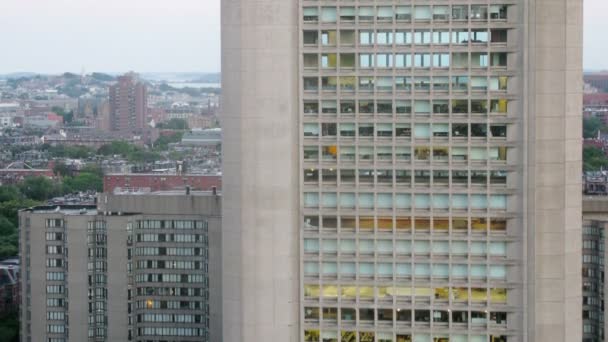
column 153, row 35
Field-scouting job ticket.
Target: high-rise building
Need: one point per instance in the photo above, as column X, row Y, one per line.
column 136, row 267
column 402, row 170
column 595, row 223
column 128, row 104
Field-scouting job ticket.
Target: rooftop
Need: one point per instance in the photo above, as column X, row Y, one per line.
column 64, row 209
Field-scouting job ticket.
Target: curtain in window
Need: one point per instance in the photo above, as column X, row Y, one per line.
column 459, row 247
column 311, row 268
column 385, row 82
column 311, row 129
column 366, row 268
column 498, row 202
column 459, row 153
column 459, row 270
column 441, row 10
column 330, row 268
column 385, row 269
column 441, row 201
column 347, row 200
column 385, row 11
column 422, row 247
column 441, row 247
column 479, row 82
column 311, row 245
column 441, row 128
column 366, row 246
column 458, row 338
column 366, row 200
column 498, row 248
column 403, row 246
column 347, row 268
column 478, row 248
column 422, row 270
column 459, row 202
column 330, row 246
column 330, row 200
column 347, row 11
column 311, row 199
column 478, row 153
column 366, row 11
column 308, row 11
column 328, row 14
column 498, row 272
column 479, row 202
column 421, row 130
column 402, row 38
column 422, row 201
column 478, row 271
column 441, row 270
column 347, row 246
column 348, row 128
column 403, row 201
column 385, row 201
column 477, row 338
column 403, row 270
column 422, row 12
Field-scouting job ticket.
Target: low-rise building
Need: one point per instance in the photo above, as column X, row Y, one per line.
column 135, row 267
column 160, row 182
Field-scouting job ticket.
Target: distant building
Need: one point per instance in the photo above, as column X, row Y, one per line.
column 160, row 182
column 206, row 137
column 595, row 223
column 128, row 104
column 9, row 286
column 597, row 79
column 133, row 268
column 45, row 120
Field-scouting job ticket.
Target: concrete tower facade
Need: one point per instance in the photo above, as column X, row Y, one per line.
column 402, row 171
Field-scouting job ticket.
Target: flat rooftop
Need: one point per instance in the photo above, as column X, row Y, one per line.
column 64, row 209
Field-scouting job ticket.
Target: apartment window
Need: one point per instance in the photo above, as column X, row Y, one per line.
column 329, row 37
column 311, row 37
column 366, row 37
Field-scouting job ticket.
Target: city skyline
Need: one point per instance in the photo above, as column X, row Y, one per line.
column 196, row 25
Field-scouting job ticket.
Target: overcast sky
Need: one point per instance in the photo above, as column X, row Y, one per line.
column 53, row 36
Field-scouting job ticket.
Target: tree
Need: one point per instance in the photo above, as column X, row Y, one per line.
column 179, row 124
column 594, row 159
column 60, row 169
column 38, row 188
column 591, row 126
column 6, row 227
column 83, row 182
column 8, row 193
column 162, row 143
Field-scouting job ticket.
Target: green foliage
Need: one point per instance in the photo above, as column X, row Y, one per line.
column 9, row 192
column 102, row 77
column 38, row 188
column 117, row 147
column 60, row 169
column 9, row 327
column 591, row 126
column 6, row 226
column 68, row 117
column 9, row 209
column 83, row 182
column 594, row 159
column 132, row 152
column 162, row 143
column 180, row 124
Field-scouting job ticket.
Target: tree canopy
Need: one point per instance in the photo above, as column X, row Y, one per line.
column 594, row 159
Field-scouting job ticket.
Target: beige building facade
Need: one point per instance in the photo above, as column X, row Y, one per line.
column 402, row 171
column 136, row 267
